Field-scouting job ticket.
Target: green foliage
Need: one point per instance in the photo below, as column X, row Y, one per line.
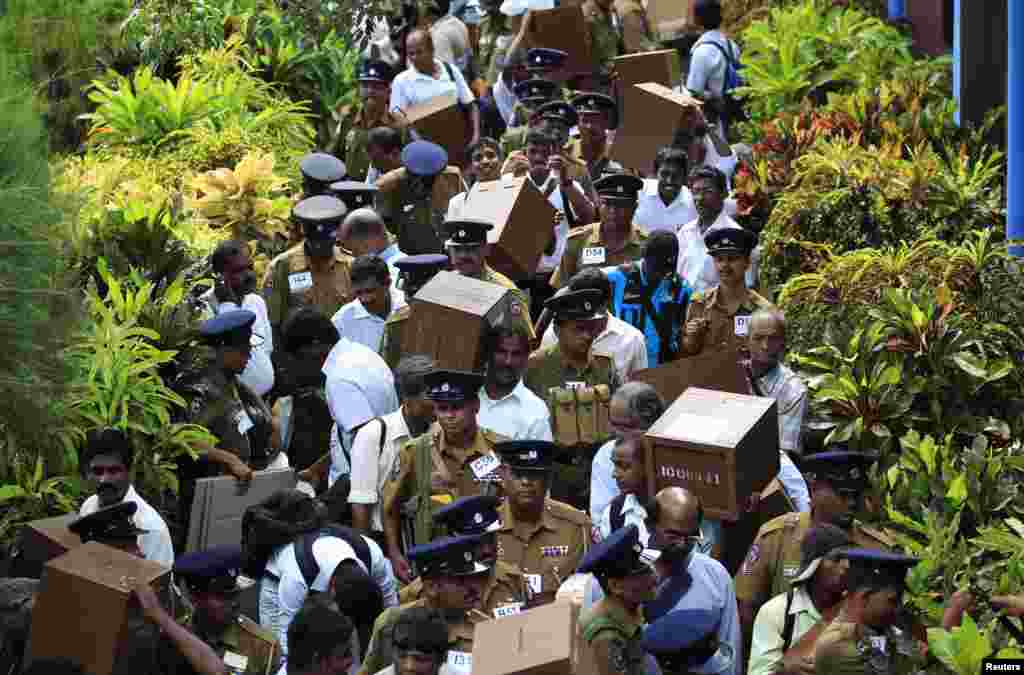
column 32, row 495
column 963, row 649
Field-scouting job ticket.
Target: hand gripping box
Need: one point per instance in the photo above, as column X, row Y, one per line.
column 721, row 446
column 544, row 640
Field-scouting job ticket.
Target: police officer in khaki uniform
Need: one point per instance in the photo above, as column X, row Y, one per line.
column 506, row 591
column 612, row 241
column 371, row 112
column 211, row 578
column 531, row 95
column 719, row 319
column 545, row 538
column 455, row 458
column 613, row 627
column 314, row 273
column 837, row 481
column 414, row 272
column 577, row 386
column 454, row 579
column 413, row 199
column 605, row 41
column 598, row 114
column 467, row 248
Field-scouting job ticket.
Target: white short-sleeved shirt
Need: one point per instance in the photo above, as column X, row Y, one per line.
column 371, row 465
column 624, row 344
column 359, row 386
column 504, row 99
column 766, row 644
column 520, row 416
column 652, row 214
column 708, row 64
column 695, row 264
column 411, row 87
column 354, row 322
column 156, row 544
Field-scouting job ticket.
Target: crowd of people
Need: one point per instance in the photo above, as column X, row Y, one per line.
column 430, row 499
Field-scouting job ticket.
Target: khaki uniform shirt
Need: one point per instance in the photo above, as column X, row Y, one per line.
column 546, row 370
column 614, row 636
column 587, row 239
column 492, row 27
column 353, row 130
column 723, row 331
column 549, row 551
column 506, row 589
column 380, row 655
column 636, row 29
column 493, row 276
column 233, row 412
column 414, row 220
column 846, row 648
column 774, row 557
column 454, row 479
column 244, row 638
column 604, row 36
column 391, row 341
column 291, row 282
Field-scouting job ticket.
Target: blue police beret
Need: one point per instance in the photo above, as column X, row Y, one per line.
column 467, row 231
column 536, row 455
column 535, row 88
column 453, row 385
column 230, row 328
column 619, row 555
column 560, row 111
column 449, row 556
column 322, row 168
column 215, row 569
column 841, row 467
column 423, row 158
column 878, row 567
column 676, row 632
column 730, row 240
column 112, row 523
column 470, row 515
column 543, row 58
column 581, row 305
column 594, row 103
column 619, row 188
column 354, row 194
column 373, row 70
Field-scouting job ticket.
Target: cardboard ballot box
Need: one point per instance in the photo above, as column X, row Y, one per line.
column 442, row 120
column 721, row 446
column 84, row 611
column 523, row 223
column 740, row 535
column 220, row 502
column 670, row 17
column 450, row 315
column 652, row 113
column 564, row 28
column 660, row 67
column 540, row 641
column 718, row 370
column 43, row 540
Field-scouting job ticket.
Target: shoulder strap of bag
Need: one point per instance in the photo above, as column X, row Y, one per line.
column 789, row 623
column 727, row 53
column 308, row 565
column 618, row 518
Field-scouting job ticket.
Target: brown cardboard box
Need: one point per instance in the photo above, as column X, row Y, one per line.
column 718, row 370
column 564, row 28
column 441, row 120
column 540, row 641
column 661, row 67
column 43, row 540
column 449, row 317
column 652, row 113
column 523, row 223
column 740, row 535
column 720, row 446
column 85, row 605
column 670, row 17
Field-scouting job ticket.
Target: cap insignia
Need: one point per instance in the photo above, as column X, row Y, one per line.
column 587, row 306
column 468, row 556
column 532, row 454
column 462, row 234
column 478, row 518
column 445, row 386
column 373, row 72
column 622, row 189
column 855, row 473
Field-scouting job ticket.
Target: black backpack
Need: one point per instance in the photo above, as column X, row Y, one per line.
column 308, row 565
column 618, row 518
column 274, row 522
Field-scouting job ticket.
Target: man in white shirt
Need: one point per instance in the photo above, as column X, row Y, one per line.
column 359, row 387
column 107, row 460
column 373, row 457
column 506, row 405
column 363, row 233
column 235, row 289
column 485, row 160
column 427, row 78
column 665, row 202
column 362, row 320
column 707, row 185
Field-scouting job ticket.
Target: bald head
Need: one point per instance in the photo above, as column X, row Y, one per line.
column 766, row 339
column 771, row 318
column 676, row 503
column 363, row 232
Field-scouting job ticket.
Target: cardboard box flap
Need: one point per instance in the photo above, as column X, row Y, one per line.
column 431, row 107
column 539, row 641
column 718, row 370
column 564, row 28
column 712, row 418
column 661, row 66
column 460, row 292
column 107, row 567
column 683, row 100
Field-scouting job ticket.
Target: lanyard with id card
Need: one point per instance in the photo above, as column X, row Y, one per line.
column 300, row 281
column 742, row 325
column 593, row 255
column 484, row 466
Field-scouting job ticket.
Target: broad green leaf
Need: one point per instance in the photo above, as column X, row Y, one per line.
column 957, row 492
column 970, row 364
column 9, row 492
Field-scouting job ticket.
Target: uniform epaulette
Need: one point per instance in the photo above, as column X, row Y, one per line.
column 879, row 535
column 778, row 523
column 253, row 628
column 341, row 255
column 580, row 230
column 565, row 512
column 493, row 437
column 508, row 571
column 541, row 352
